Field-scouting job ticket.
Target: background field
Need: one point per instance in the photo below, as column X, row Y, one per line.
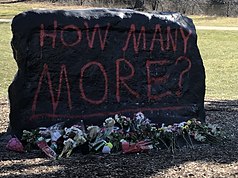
column 8, row 66
column 214, row 21
column 11, row 9
column 220, row 56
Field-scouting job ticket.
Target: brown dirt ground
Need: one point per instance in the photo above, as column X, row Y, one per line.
column 220, row 160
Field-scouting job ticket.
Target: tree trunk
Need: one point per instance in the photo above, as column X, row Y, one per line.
column 139, row 4
column 228, row 9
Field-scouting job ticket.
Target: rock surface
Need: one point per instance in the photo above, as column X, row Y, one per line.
column 91, row 64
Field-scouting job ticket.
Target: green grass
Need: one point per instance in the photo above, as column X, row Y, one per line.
column 220, row 56
column 214, row 21
column 11, row 9
column 7, row 63
column 218, row 50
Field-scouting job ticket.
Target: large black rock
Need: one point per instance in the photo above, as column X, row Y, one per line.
column 91, row 64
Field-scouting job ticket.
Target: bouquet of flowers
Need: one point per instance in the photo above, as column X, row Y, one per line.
column 119, row 134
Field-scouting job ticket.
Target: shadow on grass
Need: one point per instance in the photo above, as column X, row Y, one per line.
column 222, row 105
column 223, row 113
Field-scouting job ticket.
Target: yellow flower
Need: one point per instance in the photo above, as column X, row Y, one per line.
column 189, row 122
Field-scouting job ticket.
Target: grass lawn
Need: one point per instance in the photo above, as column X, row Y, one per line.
column 214, row 21
column 220, row 56
column 8, row 66
column 11, row 9
column 218, row 49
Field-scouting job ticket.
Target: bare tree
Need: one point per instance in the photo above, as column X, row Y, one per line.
column 155, row 5
column 231, row 6
column 224, row 7
column 139, row 4
column 209, row 7
column 81, row 2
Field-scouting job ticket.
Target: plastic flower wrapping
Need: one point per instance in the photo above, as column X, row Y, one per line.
column 118, row 134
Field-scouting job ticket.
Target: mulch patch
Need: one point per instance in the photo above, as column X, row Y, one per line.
column 219, row 160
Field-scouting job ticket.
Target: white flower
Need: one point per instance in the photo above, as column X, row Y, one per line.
column 213, row 128
column 140, row 117
column 182, row 124
column 199, row 137
column 168, row 129
column 109, row 122
column 93, row 131
column 117, row 118
column 69, row 143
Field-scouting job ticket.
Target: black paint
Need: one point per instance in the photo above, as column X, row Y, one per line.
column 31, row 57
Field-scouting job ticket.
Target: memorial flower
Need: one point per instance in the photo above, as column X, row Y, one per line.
column 29, row 138
column 123, row 134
